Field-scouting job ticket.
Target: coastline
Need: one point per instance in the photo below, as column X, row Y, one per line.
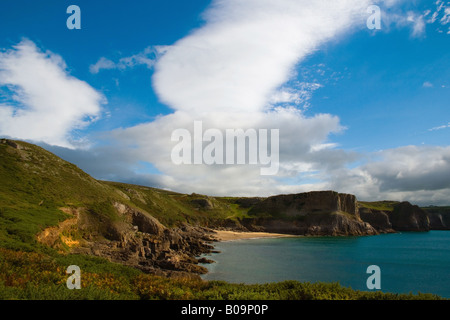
column 226, row 235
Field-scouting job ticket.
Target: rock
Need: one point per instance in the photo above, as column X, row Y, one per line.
column 311, row 213
column 141, row 241
column 338, row 224
column 377, row 219
column 439, row 217
column 333, row 224
column 11, row 143
column 205, row 261
column 203, row 203
column 408, row 217
column 143, row 220
column 303, row 204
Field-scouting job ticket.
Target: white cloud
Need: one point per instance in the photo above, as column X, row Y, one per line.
column 297, row 94
column 42, row 101
column 440, row 127
column 446, row 17
column 427, row 84
column 413, row 173
column 418, row 23
column 236, row 72
column 102, row 64
column 247, row 50
column 150, row 142
column 440, row 15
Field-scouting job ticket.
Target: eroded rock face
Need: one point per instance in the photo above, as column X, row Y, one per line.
column 141, row 241
column 203, row 203
column 335, row 224
column 408, row 217
column 303, row 204
column 377, row 219
column 311, row 213
column 439, row 217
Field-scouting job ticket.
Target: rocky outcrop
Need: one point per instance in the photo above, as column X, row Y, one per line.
column 333, row 224
column 439, row 217
column 202, row 203
column 312, row 213
column 408, row 217
column 376, row 218
column 141, row 241
column 11, row 143
column 302, row 204
column 140, row 219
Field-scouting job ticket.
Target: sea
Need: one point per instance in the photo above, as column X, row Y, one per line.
column 409, row 262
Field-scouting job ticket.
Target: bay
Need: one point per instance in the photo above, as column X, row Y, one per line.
column 409, row 261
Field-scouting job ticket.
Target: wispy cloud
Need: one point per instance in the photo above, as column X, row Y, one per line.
column 418, row 23
column 147, row 57
column 445, row 126
column 439, row 15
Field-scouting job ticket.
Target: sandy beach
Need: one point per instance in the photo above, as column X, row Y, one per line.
column 224, row 235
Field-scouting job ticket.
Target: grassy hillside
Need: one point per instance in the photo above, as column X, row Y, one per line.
column 172, row 208
column 36, row 186
column 387, row 206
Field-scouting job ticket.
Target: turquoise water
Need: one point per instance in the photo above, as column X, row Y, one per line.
column 409, row 262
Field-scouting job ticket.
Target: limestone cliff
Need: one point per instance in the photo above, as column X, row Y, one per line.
column 439, row 217
column 408, row 217
column 378, row 219
column 311, row 213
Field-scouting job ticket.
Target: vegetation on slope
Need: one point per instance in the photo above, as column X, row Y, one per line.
column 35, row 185
column 387, row 206
column 39, row 276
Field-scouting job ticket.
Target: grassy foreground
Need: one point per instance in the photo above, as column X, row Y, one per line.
column 38, row 276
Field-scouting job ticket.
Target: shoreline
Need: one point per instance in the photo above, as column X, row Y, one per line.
column 226, row 235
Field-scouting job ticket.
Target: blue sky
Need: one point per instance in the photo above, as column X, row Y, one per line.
column 361, row 111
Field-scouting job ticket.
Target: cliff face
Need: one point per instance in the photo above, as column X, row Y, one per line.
column 302, row 204
column 311, row 213
column 408, row 217
column 378, row 219
column 141, row 241
column 439, row 217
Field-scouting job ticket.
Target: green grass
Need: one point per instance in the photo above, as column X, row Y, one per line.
column 379, row 205
column 38, row 276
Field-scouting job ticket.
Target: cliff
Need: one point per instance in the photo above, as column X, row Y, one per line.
column 378, row 219
column 439, row 217
column 311, row 213
column 408, row 217
column 392, row 216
